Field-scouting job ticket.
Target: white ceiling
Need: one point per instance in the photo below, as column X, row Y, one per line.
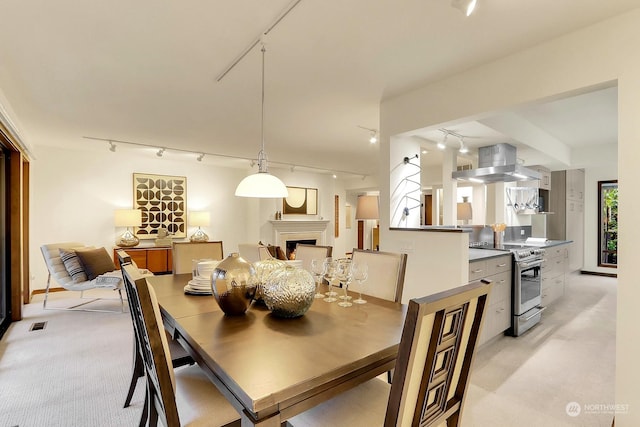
column 145, row 72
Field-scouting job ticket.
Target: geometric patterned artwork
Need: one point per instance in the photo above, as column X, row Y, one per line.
column 163, row 202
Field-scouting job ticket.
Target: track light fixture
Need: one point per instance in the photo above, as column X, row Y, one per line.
column 442, row 145
column 466, row 6
column 200, row 157
column 373, row 134
column 112, row 147
column 463, row 148
column 160, row 152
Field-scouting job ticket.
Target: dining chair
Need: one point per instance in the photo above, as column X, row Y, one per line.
column 306, row 253
column 434, row 362
column 176, row 397
column 179, row 356
column 386, row 273
column 185, row 252
column 252, row 252
column 66, row 269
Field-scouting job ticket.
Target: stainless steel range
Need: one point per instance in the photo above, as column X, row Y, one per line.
column 527, row 288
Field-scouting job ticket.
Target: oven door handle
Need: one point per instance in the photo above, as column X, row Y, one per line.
column 540, row 310
column 523, row 264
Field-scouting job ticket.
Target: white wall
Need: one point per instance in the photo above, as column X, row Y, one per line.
column 75, row 191
column 591, row 57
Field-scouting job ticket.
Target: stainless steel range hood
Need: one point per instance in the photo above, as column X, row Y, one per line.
column 497, row 163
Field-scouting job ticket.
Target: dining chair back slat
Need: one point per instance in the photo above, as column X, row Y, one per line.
column 386, row 273
column 153, row 346
column 435, row 356
column 185, row 252
column 306, row 253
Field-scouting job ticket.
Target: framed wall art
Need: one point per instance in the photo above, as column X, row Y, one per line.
column 301, row 201
column 163, row 202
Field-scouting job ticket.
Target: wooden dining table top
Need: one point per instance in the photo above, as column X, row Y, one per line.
column 273, row 368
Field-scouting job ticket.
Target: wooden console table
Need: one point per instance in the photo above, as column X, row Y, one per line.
column 158, row 260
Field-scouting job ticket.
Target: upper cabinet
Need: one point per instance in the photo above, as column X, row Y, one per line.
column 544, row 182
column 575, row 185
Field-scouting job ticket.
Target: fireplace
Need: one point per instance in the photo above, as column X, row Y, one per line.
column 287, row 234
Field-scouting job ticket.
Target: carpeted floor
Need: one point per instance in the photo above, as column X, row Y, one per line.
column 74, row 372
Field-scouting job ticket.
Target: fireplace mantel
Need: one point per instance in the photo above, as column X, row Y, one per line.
column 299, row 229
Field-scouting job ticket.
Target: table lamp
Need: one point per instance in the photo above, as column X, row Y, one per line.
column 127, row 218
column 199, row 219
column 464, row 211
column 366, row 209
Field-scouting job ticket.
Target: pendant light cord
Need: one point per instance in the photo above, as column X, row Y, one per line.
column 262, row 158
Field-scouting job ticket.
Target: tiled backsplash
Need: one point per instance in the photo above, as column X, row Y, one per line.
column 484, row 233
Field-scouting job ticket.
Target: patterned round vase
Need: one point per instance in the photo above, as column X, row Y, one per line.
column 263, row 270
column 231, row 283
column 289, row 292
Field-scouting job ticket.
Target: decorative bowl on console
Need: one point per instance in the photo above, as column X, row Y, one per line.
column 289, row 292
column 232, row 284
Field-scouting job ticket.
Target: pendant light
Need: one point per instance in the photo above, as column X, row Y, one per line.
column 262, row 184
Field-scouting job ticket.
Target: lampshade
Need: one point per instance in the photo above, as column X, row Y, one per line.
column 465, row 212
column 261, row 184
column 199, row 219
column 127, row 217
column 367, row 207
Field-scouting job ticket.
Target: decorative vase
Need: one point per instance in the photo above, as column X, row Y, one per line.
column 289, row 291
column 232, row 285
column 263, row 270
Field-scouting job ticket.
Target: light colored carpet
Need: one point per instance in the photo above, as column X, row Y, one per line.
column 75, row 372
column 568, row 357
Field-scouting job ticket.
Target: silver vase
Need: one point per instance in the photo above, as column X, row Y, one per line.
column 232, row 284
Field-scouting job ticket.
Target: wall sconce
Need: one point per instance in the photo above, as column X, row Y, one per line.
column 127, row 218
column 199, row 219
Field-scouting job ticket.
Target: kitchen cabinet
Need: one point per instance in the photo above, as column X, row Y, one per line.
column 544, row 183
column 156, row 259
column 498, row 315
column 555, row 266
column 567, row 204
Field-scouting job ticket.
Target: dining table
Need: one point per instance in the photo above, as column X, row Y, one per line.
column 270, row 368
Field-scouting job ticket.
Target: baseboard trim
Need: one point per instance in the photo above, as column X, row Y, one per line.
column 597, row 273
column 42, row 291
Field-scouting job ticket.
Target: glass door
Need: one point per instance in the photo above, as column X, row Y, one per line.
column 608, row 223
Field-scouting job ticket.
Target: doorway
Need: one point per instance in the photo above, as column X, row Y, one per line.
column 5, row 283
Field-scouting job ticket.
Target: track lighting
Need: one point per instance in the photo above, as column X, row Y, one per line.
column 112, row 147
column 442, row 145
column 463, row 148
column 466, row 6
column 293, row 168
column 373, row 134
column 160, row 152
column 374, row 137
column 200, row 157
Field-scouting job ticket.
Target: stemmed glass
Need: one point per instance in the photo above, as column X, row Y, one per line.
column 318, row 269
column 345, row 275
column 330, row 272
column 360, row 274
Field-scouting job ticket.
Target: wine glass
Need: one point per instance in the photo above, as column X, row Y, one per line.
column 360, row 275
column 330, row 272
column 318, row 268
column 345, row 275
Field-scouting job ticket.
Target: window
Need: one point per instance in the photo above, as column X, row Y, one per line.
column 608, row 223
